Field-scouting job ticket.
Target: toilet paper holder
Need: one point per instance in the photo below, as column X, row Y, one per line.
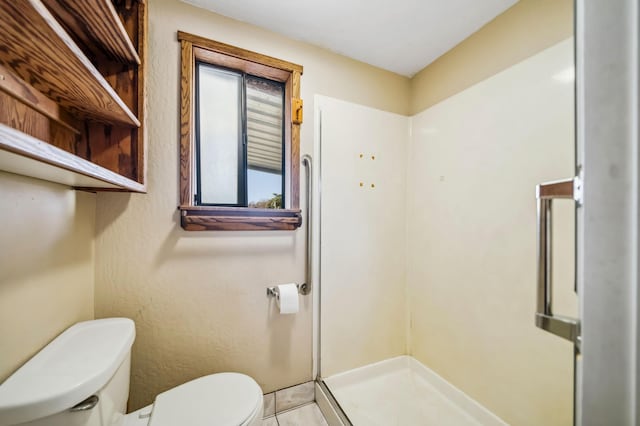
column 274, row 292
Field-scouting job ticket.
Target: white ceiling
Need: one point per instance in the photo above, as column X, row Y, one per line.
column 402, row 36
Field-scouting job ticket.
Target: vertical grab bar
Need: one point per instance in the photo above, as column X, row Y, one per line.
column 305, row 288
column 567, row 328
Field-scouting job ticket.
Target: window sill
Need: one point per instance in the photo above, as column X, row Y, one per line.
column 208, row 218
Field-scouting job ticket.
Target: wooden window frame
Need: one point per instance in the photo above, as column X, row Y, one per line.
column 219, row 218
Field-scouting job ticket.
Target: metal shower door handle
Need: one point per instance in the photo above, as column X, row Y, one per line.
column 567, row 328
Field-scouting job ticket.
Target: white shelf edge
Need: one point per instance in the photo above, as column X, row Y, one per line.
column 25, row 155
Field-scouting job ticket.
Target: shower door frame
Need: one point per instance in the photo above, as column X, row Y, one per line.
column 316, row 193
column 608, row 241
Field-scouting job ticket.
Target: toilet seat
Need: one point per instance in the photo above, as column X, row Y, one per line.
column 225, row 399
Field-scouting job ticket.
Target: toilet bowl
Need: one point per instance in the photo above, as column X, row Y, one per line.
column 81, row 378
column 218, row 399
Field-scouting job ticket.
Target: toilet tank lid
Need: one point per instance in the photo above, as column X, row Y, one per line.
column 75, row 365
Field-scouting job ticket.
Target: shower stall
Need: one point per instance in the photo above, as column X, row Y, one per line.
column 425, row 236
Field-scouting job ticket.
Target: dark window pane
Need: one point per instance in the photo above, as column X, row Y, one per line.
column 265, row 136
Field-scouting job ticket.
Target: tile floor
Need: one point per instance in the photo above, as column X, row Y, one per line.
column 306, row 415
column 294, row 396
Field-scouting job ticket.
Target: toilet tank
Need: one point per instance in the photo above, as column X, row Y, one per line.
column 81, row 378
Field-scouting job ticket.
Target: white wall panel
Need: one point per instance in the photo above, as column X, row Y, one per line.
column 474, row 161
column 363, row 234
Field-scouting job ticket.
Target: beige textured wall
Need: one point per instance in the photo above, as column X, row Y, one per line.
column 523, row 30
column 198, row 299
column 474, row 162
column 46, row 265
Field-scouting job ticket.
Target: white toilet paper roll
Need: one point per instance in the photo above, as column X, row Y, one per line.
column 288, row 300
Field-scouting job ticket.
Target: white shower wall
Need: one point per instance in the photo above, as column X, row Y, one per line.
column 438, row 260
column 474, row 162
column 363, row 238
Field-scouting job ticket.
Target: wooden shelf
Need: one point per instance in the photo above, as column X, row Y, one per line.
column 210, row 218
column 25, row 155
column 69, row 115
column 96, row 23
column 38, row 49
column 23, row 92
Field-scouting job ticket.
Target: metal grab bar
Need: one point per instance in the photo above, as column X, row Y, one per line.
column 567, row 328
column 305, row 288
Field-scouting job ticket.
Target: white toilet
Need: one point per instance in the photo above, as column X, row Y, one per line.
column 82, row 379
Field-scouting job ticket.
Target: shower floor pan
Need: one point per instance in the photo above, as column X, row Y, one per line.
column 402, row 391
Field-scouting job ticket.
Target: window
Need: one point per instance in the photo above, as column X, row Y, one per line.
column 239, row 139
column 239, row 142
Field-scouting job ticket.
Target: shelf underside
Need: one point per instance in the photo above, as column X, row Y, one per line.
column 96, row 23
